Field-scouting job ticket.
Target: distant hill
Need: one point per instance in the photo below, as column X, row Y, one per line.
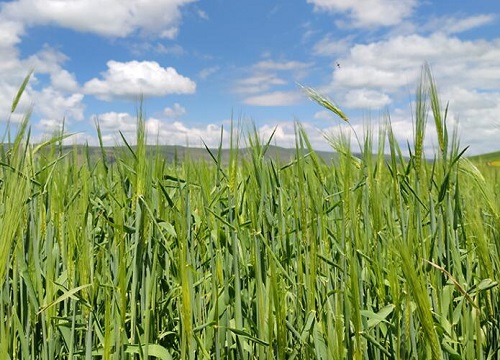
column 172, row 153
column 491, row 159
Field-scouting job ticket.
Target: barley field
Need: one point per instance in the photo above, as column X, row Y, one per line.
column 372, row 256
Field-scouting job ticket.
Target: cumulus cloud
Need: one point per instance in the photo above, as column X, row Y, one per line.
column 11, row 68
column 159, row 130
column 366, row 99
column 54, row 105
column 10, row 32
column 57, row 100
column 476, row 113
column 133, row 78
column 178, row 133
column 47, row 60
column 61, row 98
column 50, row 126
column 7, row 94
column 392, row 67
column 114, row 121
column 368, row 13
column 51, row 61
column 9, row 86
column 284, row 134
column 114, row 18
column 361, row 75
column 385, row 73
column 64, row 81
column 164, row 132
column 394, row 63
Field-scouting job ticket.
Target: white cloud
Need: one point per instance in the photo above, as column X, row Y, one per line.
column 283, row 133
column 206, row 72
column 115, row 18
column 133, row 78
column 169, row 33
column 402, row 129
column 369, row 13
column 476, row 113
column 281, row 65
column 140, row 47
column 54, row 105
column 118, row 121
column 386, row 73
column 264, row 86
column 10, row 36
column 8, row 90
column 395, row 62
column 202, row 14
column 323, row 115
column 264, row 75
column 258, row 83
column 175, row 49
column 158, row 130
column 64, row 80
column 10, row 32
column 453, row 25
column 112, row 122
column 366, row 99
column 50, row 126
column 48, row 60
column 372, row 76
column 163, row 131
column 55, row 101
column 178, row 133
column 51, row 61
column 328, row 46
column 275, row 98
column 175, row 111
column 12, row 73
column 308, row 31
column 470, row 23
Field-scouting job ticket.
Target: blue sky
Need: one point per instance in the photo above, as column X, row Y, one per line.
column 199, row 64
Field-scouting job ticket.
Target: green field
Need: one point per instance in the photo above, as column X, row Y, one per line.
column 491, row 159
column 366, row 256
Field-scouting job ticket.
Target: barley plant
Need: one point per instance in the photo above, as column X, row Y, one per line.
column 373, row 255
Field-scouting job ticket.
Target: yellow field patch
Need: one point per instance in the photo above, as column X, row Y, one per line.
column 494, row 163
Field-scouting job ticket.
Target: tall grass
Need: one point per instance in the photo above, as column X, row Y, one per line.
column 372, row 256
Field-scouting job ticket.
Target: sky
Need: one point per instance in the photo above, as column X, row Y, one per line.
column 195, row 67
